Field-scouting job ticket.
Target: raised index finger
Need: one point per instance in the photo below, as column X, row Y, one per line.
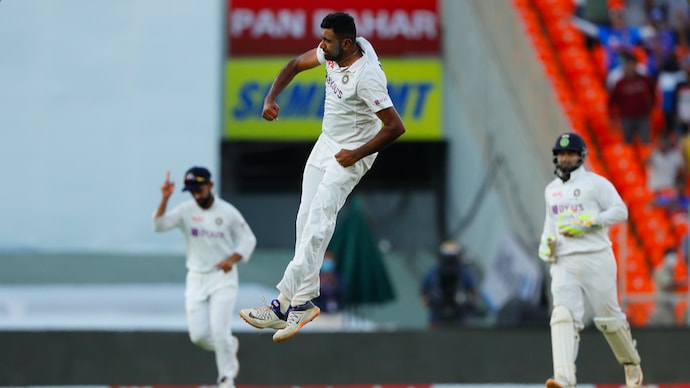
column 167, row 176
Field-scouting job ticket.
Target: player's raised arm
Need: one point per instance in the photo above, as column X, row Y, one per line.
column 306, row 61
column 167, row 188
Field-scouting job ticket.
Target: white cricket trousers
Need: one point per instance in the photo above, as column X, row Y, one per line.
column 210, row 302
column 592, row 276
column 325, row 187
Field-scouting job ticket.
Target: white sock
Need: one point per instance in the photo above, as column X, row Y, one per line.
column 284, row 303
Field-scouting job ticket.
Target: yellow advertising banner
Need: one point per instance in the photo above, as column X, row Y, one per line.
column 414, row 86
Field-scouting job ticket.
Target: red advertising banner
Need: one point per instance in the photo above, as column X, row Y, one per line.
column 394, row 27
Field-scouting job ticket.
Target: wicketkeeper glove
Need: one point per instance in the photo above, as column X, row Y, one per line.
column 576, row 226
column 547, row 248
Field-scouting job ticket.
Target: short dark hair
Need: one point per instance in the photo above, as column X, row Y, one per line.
column 628, row 56
column 342, row 24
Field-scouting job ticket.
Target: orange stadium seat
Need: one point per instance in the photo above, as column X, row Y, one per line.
column 639, row 312
column 639, row 196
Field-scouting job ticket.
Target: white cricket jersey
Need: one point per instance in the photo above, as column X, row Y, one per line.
column 353, row 96
column 211, row 235
column 584, row 193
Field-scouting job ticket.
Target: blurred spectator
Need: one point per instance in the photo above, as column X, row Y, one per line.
column 448, row 289
column 617, row 73
column 632, row 100
column 681, row 97
column 684, row 146
column 666, row 284
column 331, row 298
column 665, row 167
column 674, row 200
column 616, row 38
column 661, row 46
column 676, row 203
column 670, row 76
column 676, row 11
column 635, row 10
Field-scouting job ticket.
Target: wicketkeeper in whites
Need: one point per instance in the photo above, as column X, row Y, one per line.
column 580, row 206
column 216, row 237
column 359, row 120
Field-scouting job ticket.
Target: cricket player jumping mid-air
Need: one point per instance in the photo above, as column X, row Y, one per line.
column 359, row 120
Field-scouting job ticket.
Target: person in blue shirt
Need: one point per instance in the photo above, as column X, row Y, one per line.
column 616, row 38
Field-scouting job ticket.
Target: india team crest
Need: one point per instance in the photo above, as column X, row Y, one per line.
column 565, row 140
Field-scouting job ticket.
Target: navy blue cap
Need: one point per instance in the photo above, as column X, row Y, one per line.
column 195, row 177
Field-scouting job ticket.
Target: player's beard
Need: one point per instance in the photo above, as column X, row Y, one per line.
column 564, row 169
column 338, row 55
column 205, row 202
column 568, row 167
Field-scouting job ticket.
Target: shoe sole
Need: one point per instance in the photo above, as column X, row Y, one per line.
column 299, row 327
column 258, row 326
column 636, row 384
column 553, row 384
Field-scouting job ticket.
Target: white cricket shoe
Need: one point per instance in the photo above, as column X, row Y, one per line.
column 633, row 375
column 298, row 316
column 226, row 383
column 266, row 316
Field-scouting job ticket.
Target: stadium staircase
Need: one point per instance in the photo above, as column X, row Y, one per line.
column 578, row 78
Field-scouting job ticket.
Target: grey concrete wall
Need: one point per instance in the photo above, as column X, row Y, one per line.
column 500, row 117
column 98, row 99
column 463, row 356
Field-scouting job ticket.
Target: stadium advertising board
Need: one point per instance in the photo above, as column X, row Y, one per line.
column 414, row 86
column 394, row 27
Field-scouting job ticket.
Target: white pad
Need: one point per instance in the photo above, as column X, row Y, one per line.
column 617, row 334
column 564, row 344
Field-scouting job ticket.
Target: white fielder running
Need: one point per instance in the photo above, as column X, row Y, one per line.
column 216, row 238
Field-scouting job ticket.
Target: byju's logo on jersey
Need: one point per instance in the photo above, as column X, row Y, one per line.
column 573, row 208
column 196, row 232
column 379, row 102
column 331, row 85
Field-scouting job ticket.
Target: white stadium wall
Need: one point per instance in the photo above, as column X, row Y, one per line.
column 98, row 100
